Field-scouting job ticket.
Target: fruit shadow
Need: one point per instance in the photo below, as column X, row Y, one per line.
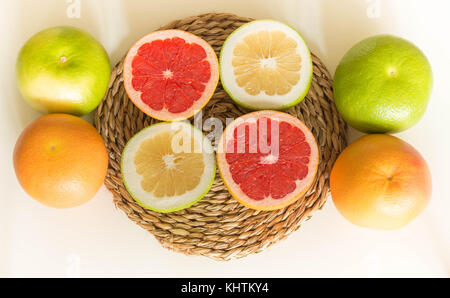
column 345, row 23
column 30, row 20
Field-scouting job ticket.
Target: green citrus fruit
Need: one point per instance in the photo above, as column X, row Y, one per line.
column 383, row 84
column 63, row 70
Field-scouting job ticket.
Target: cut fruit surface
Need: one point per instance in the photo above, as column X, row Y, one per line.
column 267, row 159
column 168, row 166
column 266, row 64
column 171, row 74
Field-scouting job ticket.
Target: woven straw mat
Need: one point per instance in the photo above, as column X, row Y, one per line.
column 218, row 226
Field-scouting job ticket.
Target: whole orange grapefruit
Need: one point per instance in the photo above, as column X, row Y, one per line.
column 60, row 160
column 380, row 182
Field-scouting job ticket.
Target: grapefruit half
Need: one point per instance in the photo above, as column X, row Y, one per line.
column 267, row 159
column 168, row 166
column 266, row 64
column 171, row 74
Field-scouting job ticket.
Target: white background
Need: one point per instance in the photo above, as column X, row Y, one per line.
column 98, row 240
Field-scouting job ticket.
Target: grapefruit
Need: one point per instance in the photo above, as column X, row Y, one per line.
column 168, row 166
column 171, row 74
column 380, row 182
column 266, row 64
column 267, row 159
column 383, row 84
column 63, row 70
column 60, row 160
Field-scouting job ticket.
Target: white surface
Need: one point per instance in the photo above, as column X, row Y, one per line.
column 97, row 240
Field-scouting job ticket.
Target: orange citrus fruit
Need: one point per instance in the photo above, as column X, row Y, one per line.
column 60, row 160
column 380, row 182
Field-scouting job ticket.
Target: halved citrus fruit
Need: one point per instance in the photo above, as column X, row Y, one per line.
column 267, row 159
column 266, row 64
column 168, row 166
column 171, row 74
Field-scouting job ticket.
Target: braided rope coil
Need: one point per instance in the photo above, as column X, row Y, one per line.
column 218, row 226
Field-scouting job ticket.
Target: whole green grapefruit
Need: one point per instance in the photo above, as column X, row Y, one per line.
column 383, row 84
column 63, row 70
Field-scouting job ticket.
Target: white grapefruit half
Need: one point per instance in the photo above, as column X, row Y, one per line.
column 266, row 64
column 168, row 166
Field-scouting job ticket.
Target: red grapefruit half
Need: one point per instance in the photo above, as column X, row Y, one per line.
column 267, row 159
column 171, row 74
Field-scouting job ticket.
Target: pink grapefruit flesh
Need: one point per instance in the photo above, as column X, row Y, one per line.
column 171, row 74
column 267, row 159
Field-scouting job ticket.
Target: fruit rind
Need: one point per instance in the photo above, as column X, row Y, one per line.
column 309, row 66
column 372, row 98
column 213, row 170
column 60, row 145
column 49, row 88
column 387, row 187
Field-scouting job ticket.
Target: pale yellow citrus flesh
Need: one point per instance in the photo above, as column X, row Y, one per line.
column 166, row 172
column 267, row 61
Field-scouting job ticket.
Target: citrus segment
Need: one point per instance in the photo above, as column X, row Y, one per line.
column 171, row 74
column 267, row 159
column 266, row 65
column 267, row 62
column 159, row 165
column 168, row 166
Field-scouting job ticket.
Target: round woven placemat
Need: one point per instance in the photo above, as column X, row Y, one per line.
column 218, row 226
